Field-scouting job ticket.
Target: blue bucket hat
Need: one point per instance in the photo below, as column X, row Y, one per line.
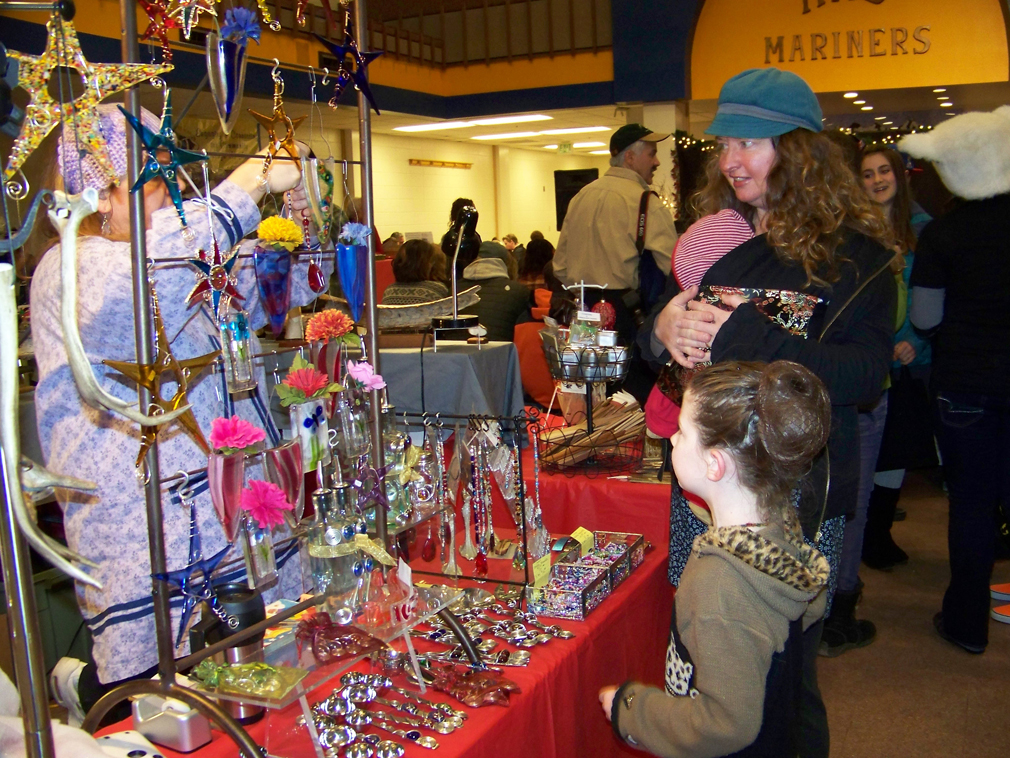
column 765, row 102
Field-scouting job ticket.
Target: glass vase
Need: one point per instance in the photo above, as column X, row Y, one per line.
column 273, row 280
column 236, row 350
column 283, row 467
column 258, row 551
column 225, row 478
column 309, row 427
column 328, row 358
column 350, row 424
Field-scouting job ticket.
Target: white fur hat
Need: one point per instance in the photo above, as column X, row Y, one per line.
column 971, row 152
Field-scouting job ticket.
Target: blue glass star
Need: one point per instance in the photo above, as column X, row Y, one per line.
column 193, row 590
column 359, row 74
column 161, row 142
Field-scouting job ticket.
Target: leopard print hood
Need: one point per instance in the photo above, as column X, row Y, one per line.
column 774, row 559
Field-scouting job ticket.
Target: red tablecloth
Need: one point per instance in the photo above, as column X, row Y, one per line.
column 383, row 276
column 601, row 503
column 557, row 714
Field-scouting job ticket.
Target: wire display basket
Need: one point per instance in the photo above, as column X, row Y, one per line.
column 585, row 363
column 613, row 445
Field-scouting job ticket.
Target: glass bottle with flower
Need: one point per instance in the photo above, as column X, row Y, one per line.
column 327, row 332
column 277, row 239
column 305, row 391
column 231, row 439
column 352, row 263
column 264, row 505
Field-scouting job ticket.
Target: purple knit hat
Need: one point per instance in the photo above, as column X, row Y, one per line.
column 113, row 127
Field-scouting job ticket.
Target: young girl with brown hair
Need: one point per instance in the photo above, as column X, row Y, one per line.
column 748, row 432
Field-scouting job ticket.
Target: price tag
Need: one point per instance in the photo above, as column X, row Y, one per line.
column 403, row 573
column 589, row 316
column 585, row 539
column 542, row 571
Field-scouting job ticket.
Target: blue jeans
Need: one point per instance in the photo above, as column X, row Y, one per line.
column 871, row 432
column 974, row 435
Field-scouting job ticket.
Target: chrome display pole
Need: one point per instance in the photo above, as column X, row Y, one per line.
column 23, row 626
column 371, row 317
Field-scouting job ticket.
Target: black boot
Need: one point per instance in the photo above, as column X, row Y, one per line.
column 879, row 550
column 842, row 631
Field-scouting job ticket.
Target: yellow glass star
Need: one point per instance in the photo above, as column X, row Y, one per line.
column 187, row 13
column 149, row 376
column 43, row 113
column 271, row 122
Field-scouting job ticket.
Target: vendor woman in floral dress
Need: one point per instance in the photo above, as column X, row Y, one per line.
column 109, row 526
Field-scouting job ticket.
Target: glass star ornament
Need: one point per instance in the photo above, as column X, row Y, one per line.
column 195, row 581
column 43, row 113
column 269, row 20
column 357, row 70
column 149, row 376
column 187, row 13
column 163, row 156
column 160, row 23
column 215, row 279
column 275, row 120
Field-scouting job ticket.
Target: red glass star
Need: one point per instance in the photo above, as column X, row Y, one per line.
column 215, row 280
column 161, row 22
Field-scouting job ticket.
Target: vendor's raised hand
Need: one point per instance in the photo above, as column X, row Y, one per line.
column 284, row 174
column 281, row 176
column 607, row 700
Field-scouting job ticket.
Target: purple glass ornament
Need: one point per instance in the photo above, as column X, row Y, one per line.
column 352, row 260
column 273, row 278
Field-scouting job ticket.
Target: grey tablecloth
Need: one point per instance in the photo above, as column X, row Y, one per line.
column 458, row 379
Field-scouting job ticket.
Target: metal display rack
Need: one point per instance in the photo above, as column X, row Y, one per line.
column 29, row 664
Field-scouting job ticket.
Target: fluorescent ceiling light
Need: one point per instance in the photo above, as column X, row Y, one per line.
column 432, row 127
column 550, row 147
column 879, row 118
column 866, row 108
column 948, row 113
column 850, row 95
column 888, row 123
column 943, row 97
column 578, row 130
column 859, row 102
column 894, row 128
column 590, row 144
column 498, row 121
column 599, row 152
column 946, row 105
column 940, row 89
column 507, row 135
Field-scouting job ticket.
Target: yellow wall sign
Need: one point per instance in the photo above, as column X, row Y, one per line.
column 840, row 45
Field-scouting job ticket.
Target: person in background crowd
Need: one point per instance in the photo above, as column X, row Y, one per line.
column 471, row 240
column 531, row 270
column 817, row 234
column 419, row 268
column 961, row 297
column 504, row 302
column 392, row 244
column 886, row 182
column 535, row 235
column 600, row 243
column 511, row 243
column 748, row 432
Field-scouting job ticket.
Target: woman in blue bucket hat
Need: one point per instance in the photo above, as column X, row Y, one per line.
column 811, row 285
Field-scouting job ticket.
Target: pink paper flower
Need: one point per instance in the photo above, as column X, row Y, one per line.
column 264, row 501
column 363, row 374
column 234, row 434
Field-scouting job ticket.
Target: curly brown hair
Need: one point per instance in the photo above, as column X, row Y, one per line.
column 813, row 198
column 772, row 418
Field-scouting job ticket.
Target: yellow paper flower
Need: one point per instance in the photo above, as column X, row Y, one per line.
column 280, row 231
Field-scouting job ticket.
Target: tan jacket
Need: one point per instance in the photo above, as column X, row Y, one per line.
column 597, row 241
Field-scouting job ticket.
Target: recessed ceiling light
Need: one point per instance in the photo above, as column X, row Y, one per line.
column 850, row 95
column 599, row 152
column 940, row 89
column 507, row 135
column 866, row 108
column 578, row 130
column 497, row 121
column 859, row 102
column 550, row 147
column 880, row 118
column 943, row 97
column 946, row 105
column 589, row 144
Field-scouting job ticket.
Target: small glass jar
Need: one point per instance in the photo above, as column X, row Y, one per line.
column 236, row 351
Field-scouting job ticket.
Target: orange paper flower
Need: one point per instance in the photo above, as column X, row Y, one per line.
column 327, row 325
